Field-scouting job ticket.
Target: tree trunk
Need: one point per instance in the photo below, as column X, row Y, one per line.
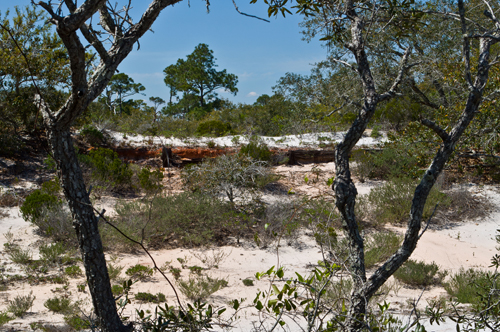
column 85, row 223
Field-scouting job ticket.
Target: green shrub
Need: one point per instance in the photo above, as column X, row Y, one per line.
column 4, row 318
column 44, row 198
column 391, row 202
column 52, row 253
column 230, row 175
column 187, row 219
column 117, row 290
column 49, row 213
column 419, row 273
column 215, row 128
column 21, row 304
column 60, row 305
column 92, row 135
column 148, row 297
column 106, row 167
column 472, row 286
column 139, row 271
column 149, row 180
column 390, row 162
column 247, row 282
column 73, row 271
column 381, row 246
column 256, row 150
column 76, row 322
column 114, row 271
column 199, row 287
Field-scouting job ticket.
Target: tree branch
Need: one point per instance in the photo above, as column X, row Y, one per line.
column 399, row 77
column 436, row 128
column 465, row 44
column 244, row 14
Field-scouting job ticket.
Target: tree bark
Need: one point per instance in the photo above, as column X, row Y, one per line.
column 86, row 226
column 58, row 124
column 345, row 190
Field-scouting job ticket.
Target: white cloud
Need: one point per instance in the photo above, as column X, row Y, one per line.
column 252, row 94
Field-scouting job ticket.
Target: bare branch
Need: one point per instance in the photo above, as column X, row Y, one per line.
column 436, row 128
column 402, row 69
column 465, row 45
column 428, row 221
column 244, row 14
column 345, row 64
column 491, row 14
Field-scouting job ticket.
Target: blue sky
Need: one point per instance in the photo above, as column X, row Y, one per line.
column 259, row 53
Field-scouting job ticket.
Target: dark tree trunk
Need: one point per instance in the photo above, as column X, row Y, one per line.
column 85, row 223
column 58, row 123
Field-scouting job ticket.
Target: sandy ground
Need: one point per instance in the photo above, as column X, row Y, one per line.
column 466, row 244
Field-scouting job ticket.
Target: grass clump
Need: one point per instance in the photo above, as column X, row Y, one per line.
column 392, row 201
column 380, row 247
column 4, row 318
column 60, row 305
column 152, row 298
column 472, row 286
column 107, row 168
column 21, row 304
column 199, row 287
column 139, row 272
column 187, row 219
column 73, row 271
column 256, row 150
column 419, row 274
column 234, row 176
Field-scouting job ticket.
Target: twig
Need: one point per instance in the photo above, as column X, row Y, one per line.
column 145, row 250
column 245, row 14
column 428, row 222
column 436, row 128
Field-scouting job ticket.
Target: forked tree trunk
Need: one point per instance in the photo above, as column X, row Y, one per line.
column 345, row 190
column 58, row 123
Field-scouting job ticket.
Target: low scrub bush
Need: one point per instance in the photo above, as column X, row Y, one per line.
column 199, row 287
column 391, row 202
column 148, row 297
column 73, row 271
column 92, row 136
column 473, row 286
column 45, row 209
column 187, row 219
column 107, row 169
column 389, row 162
column 215, row 128
column 139, row 272
column 150, row 180
column 381, row 246
column 117, row 290
column 44, row 198
column 21, row 304
column 256, row 150
column 419, row 274
column 229, row 175
column 60, row 305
